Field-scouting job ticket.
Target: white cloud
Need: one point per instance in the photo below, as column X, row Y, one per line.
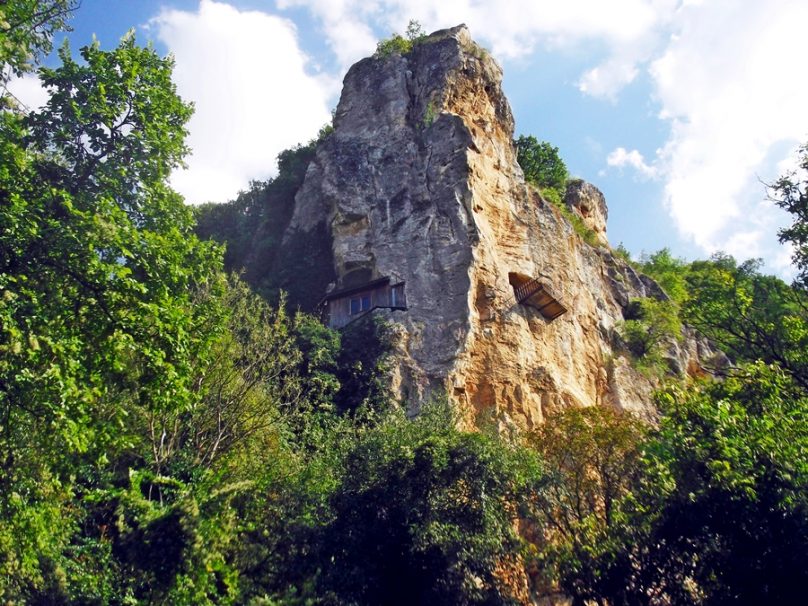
column 512, row 28
column 608, row 78
column 28, row 90
column 253, row 97
column 620, row 158
column 724, row 73
column 727, row 84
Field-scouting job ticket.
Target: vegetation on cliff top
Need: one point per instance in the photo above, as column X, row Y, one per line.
column 169, row 437
column 541, row 163
column 401, row 45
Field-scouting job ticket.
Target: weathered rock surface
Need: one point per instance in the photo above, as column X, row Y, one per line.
column 588, row 202
column 419, row 181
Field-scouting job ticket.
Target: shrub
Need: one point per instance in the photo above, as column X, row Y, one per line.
column 541, row 163
column 592, row 455
column 669, row 271
column 401, row 45
column 424, row 514
column 650, row 324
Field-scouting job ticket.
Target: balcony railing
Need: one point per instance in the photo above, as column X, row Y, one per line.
column 539, row 296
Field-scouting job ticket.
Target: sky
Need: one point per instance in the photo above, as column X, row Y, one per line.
column 678, row 110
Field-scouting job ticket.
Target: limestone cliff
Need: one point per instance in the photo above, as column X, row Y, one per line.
column 419, row 182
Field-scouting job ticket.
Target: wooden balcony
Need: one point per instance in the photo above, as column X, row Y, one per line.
column 539, row 296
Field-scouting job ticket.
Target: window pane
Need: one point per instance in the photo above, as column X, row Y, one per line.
column 365, row 302
column 354, row 306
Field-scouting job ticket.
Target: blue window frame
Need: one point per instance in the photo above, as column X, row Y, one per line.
column 360, row 303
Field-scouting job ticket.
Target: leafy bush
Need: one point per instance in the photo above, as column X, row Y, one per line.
column 541, row 163
column 430, row 113
column 669, row 271
column 749, row 315
column 711, row 507
column 423, row 514
column 649, row 326
column 724, row 504
column 592, row 456
column 363, row 366
column 394, row 45
column 401, row 45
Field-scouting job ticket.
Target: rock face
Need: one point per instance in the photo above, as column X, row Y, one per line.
column 588, row 202
column 419, row 182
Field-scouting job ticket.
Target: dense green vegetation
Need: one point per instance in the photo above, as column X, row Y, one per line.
column 168, row 436
column 541, row 163
column 253, row 226
column 650, row 327
column 26, row 29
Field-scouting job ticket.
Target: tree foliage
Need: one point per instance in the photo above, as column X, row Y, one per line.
column 104, row 281
column 401, row 45
column 420, row 513
column 790, row 192
column 592, row 457
column 26, row 33
column 708, row 508
column 108, row 297
column 252, row 228
column 650, row 327
column 541, row 163
column 669, row 271
column 751, row 316
column 726, row 506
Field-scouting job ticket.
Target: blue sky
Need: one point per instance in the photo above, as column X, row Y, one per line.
column 675, row 109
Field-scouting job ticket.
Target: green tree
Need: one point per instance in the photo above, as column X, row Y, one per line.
column 414, row 32
column 104, row 282
column 709, row 508
column 650, row 326
column 541, row 163
column 669, row 271
column 108, row 299
column 401, row 45
column 724, row 506
column 790, row 192
column 248, row 379
column 320, row 347
column 592, row 455
column 363, row 366
column 252, row 228
column 749, row 315
column 424, row 513
column 26, row 33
